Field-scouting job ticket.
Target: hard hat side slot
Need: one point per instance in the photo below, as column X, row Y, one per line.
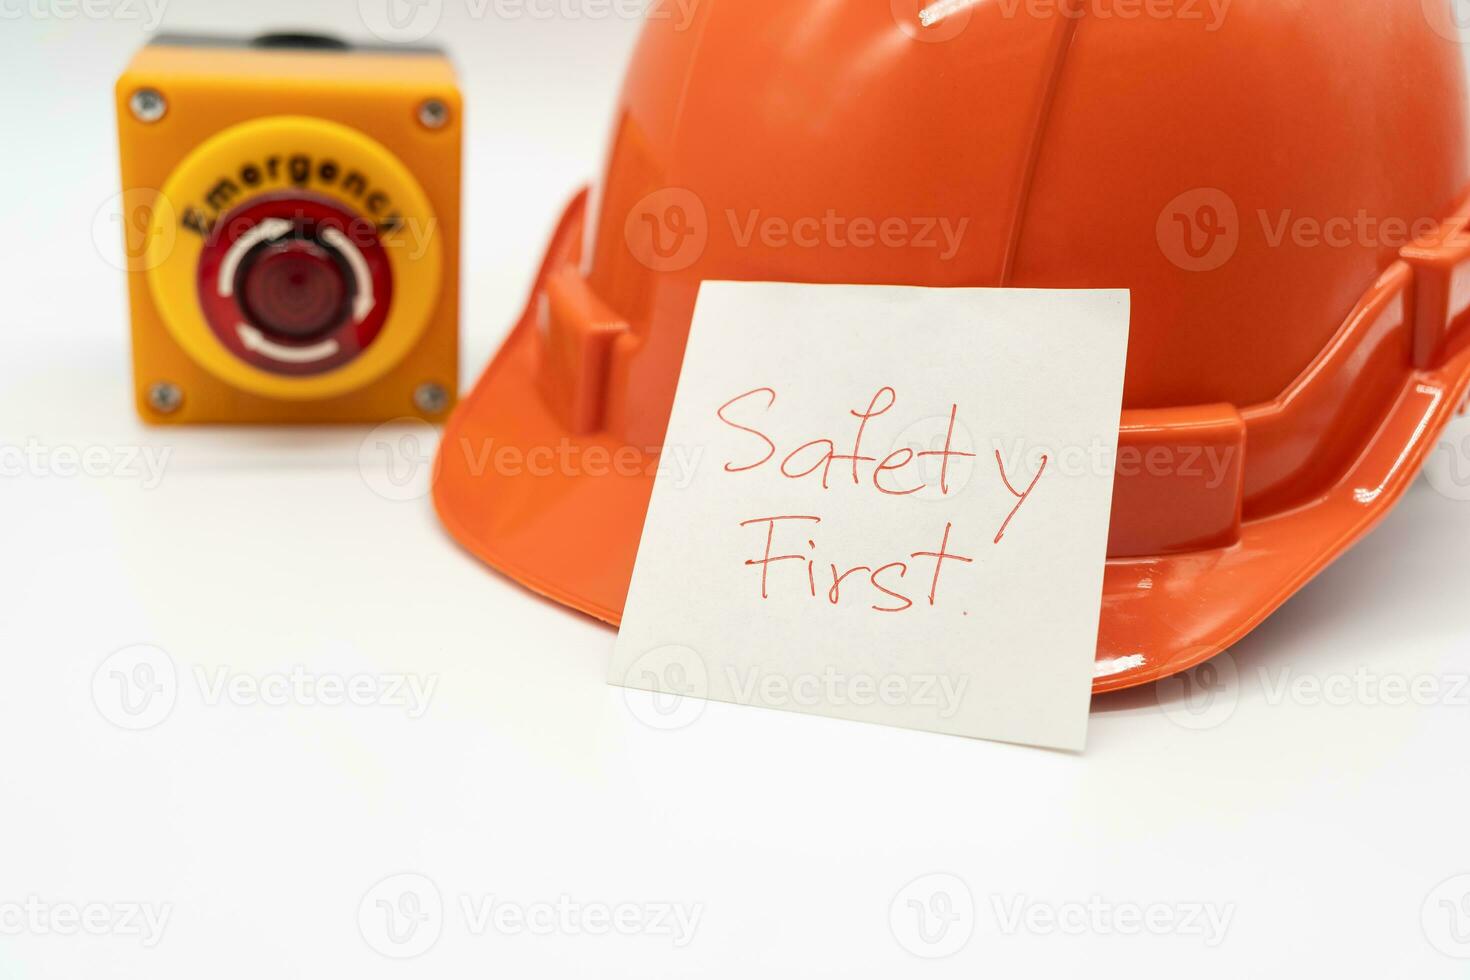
column 1441, row 294
column 1177, row 481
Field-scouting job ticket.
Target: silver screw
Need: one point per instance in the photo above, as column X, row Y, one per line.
column 165, row 397
column 431, row 398
column 433, row 114
column 148, row 105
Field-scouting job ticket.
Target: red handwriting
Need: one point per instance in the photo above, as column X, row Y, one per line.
column 770, row 446
column 1020, row 497
column 882, row 586
column 820, row 454
column 846, row 578
column 765, row 563
column 939, row 559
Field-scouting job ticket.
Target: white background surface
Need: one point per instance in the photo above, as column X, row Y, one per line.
column 1322, row 829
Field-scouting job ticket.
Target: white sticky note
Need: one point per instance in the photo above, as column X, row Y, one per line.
column 949, row 577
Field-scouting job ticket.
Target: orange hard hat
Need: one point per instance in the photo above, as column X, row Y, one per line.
column 1281, row 186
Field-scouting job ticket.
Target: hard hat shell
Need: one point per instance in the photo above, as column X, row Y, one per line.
column 1282, row 187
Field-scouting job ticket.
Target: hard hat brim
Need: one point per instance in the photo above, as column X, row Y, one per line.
column 562, row 514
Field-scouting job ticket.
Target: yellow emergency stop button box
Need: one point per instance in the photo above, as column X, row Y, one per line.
column 291, row 211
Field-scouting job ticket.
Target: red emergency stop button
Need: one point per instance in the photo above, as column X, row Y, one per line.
column 295, row 288
column 295, row 284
